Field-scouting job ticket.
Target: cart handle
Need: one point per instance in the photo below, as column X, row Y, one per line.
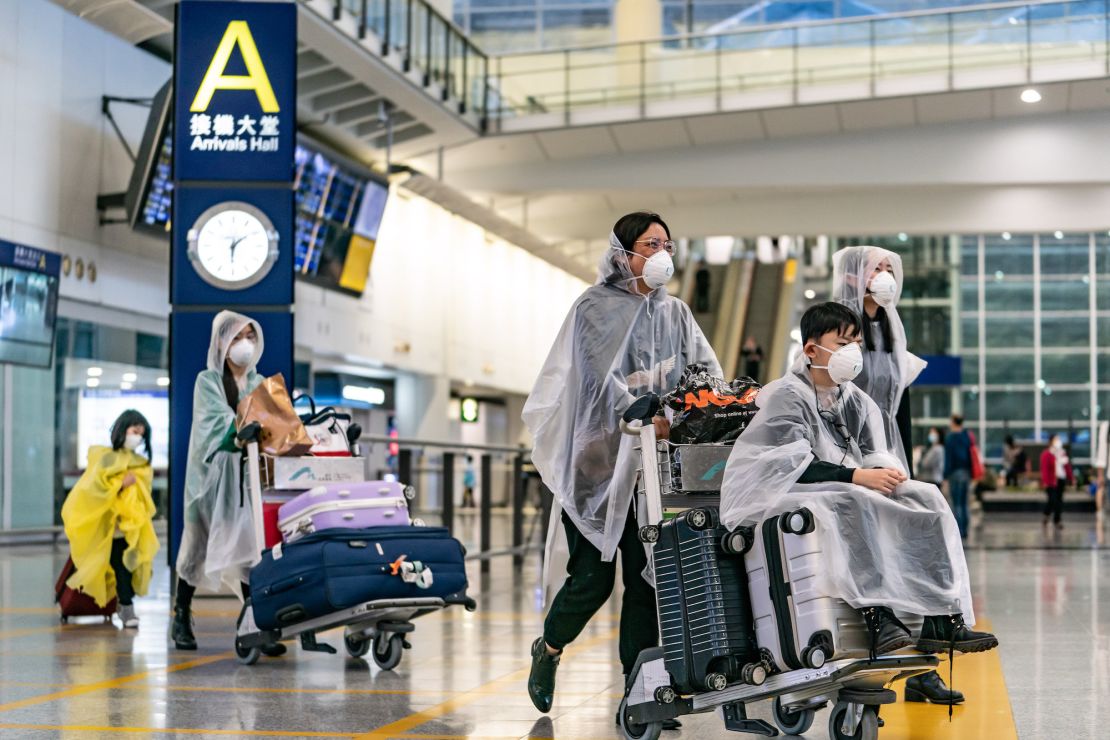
column 631, row 428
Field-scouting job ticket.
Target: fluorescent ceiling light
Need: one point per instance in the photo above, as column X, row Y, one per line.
column 95, row 372
column 163, row 382
column 130, row 377
column 718, row 249
column 1029, row 95
column 92, row 382
column 365, row 394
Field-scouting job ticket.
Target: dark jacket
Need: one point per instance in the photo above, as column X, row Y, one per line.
column 957, row 452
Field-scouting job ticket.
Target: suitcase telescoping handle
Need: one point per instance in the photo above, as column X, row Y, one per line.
column 636, row 421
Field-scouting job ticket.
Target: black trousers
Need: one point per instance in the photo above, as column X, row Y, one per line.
column 589, row 585
column 1055, row 504
column 125, row 591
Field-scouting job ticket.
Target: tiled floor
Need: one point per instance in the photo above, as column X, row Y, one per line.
column 1047, row 595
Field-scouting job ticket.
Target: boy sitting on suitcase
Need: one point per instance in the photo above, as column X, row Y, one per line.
column 818, row 442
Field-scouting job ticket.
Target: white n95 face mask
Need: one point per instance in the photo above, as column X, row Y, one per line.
column 844, row 364
column 242, row 352
column 884, row 289
column 133, row 441
column 658, row 270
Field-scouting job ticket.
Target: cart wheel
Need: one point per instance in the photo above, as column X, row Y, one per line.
column 697, row 519
column 387, row 651
column 793, row 723
column 868, row 727
column 649, row 731
column 247, row 656
column 649, row 533
column 356, row 646
column 418, row 522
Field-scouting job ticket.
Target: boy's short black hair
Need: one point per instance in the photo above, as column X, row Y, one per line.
column 823, row 318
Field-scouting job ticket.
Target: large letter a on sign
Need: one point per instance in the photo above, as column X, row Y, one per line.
column 237, row 33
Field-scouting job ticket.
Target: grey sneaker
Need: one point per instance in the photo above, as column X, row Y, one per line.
column 128, row 617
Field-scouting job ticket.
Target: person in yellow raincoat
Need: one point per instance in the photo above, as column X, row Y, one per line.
column 108, row 519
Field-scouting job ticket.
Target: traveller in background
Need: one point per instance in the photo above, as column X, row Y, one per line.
column 819, row 442
column 753, row 358
column 218, row 540
column 469, row 482
column 623, row 338
column 868, row 280
column 957, row 469
column 1056, row 473
column 109, row 516
column 1013, row 460
column 931, row 467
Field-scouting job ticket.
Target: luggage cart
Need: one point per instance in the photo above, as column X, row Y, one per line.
column 381, row 625
column 857, row 687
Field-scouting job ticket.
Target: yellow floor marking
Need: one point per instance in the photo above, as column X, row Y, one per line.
column 985, row 713
column 8, row 634
column 394, row 729
column 176, row 731
column 112, row 683
column 29, row 610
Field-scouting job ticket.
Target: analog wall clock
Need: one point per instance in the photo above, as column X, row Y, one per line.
column 233, row 245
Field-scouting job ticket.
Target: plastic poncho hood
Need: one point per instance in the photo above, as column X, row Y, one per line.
column 902, row 551
column 218, row 540
column 93, row 510
column 886, row 375
column 614, row 346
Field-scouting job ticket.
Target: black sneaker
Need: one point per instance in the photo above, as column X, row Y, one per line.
column 930, row 688
column 888, row 634
column 541, row 681
column 182, row 630
column 940, row 633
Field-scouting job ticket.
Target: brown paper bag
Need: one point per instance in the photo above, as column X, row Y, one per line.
column 283, row 434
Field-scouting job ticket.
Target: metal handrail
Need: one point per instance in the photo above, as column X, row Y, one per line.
column 765, row 27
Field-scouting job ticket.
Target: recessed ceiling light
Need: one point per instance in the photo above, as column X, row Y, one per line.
column 1059, row 235
column 95, row 372
column 163, row 382
column 903, row 237
column 810, row 295
column 1006, row 235
column 1029, row 95
column 93, row 382
column 125, row 386
column 130, row 377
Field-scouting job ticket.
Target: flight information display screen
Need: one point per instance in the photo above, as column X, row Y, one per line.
column 28, row 304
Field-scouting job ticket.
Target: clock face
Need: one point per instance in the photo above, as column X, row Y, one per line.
column 233, row 245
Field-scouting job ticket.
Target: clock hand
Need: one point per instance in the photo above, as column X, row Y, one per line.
column 234, row 244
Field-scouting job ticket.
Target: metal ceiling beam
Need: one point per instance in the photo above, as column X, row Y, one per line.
column 345, row 97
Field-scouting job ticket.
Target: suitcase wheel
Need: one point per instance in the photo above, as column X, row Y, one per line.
column 797, row 522
column 814, row 656
column 409, row 492
column 716, row 682
column 797, row 722
column 649, row 533
column 697, row 519
column 665, row 695
column 736, row 543
column 754, row 674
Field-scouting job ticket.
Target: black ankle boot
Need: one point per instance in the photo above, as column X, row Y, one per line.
column 182, row 630
column 541, row 681
column 887, row 631
column 930, row 688
column 940, row 633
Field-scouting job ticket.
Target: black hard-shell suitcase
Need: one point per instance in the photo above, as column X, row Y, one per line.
column 705, row 617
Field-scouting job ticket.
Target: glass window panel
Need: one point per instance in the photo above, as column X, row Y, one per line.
column 1009, row 332
column 1008, row 295
column 969, row 257
column 1010, row 405
column 996, row 437
column 1065, row 295
column 1065, row 368
column 971, row 405
column 1103, row 370
column 1102, row 253
column 1066, row 256
column 969, row 369
column 1010, row 369
column 1102, row 292
column 934, row 403
column 928, row 329
column 1010, row 257
column 1064, row 405
column 1061, row 331
column 1103, row 338
column 969, row 332
column 969, row 293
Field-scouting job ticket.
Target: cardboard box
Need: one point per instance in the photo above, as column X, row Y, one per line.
column 302, row 473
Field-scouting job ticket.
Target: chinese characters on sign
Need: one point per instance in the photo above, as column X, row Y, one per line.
column 222, row 133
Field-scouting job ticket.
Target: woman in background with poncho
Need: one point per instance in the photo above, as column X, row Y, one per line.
column 623, row 338
column 108, row 519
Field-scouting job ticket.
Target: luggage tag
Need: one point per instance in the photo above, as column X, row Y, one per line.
column 276, row 551
column 414, row 572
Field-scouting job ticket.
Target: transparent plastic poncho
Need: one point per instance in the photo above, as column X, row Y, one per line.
column 886, row 375
column 902, row 551
column 218, row 540
column 614, row 346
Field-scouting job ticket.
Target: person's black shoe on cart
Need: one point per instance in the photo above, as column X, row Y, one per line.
column 944, row 632
column 888, row 634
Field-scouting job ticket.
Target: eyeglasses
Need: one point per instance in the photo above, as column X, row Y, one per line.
column 656, row 245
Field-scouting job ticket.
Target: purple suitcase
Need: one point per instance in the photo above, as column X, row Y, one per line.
column 345, row 506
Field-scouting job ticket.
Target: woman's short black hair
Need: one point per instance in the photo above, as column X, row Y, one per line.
column 940, row 434
column 126, row 420
column 819, row 320
column 629, row 227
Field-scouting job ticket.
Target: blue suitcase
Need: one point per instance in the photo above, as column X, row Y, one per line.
column 337, row 569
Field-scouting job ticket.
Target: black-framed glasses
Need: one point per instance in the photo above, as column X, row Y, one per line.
column 655, row 244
